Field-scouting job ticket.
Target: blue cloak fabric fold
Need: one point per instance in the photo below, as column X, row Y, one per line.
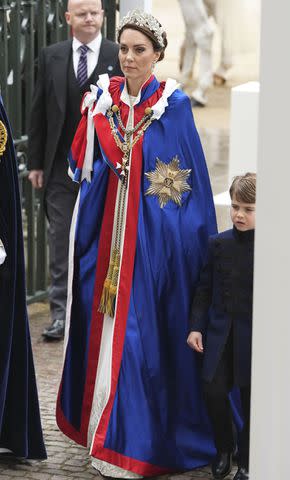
column 20, row 426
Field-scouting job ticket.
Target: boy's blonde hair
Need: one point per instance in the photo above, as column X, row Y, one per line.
column 243, row 188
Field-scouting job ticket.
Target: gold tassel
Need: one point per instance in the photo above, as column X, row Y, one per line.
column 111, row 298
column 107, row 283
column 108, row 298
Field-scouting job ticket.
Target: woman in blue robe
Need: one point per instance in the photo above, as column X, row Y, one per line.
column 130, row 388
column 20, row 426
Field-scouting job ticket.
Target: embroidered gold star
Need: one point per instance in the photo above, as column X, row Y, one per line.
column 168, row 181
column 3, row 138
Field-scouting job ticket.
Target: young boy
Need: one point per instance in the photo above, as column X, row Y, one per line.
column 221, row 326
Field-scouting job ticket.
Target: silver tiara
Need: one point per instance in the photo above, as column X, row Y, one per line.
column 143, row 19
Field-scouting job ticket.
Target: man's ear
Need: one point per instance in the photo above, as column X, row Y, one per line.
column 67, row 17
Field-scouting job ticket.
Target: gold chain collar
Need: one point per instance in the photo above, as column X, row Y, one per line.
column 126, row 144
column 3, row 138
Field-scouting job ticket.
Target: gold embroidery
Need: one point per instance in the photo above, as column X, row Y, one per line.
column 127, row 143
column 168, row 182
column 3, row 138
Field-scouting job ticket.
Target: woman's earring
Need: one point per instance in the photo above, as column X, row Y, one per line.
column 153, row 64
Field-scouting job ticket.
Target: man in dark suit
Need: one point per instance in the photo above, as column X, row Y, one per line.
column 65, row 72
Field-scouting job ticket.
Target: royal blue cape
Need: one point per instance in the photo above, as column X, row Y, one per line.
column 154, row 421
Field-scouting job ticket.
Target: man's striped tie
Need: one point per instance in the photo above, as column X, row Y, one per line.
column 82, row 73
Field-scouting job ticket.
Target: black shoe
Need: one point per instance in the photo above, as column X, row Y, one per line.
column 55, row 331
column 222, row 465
column 196, row 103
column 242, row 474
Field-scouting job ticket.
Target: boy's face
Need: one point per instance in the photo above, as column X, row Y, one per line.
column 243, row 215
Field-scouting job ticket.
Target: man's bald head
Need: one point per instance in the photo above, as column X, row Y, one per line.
column 71, row 4
column 85, row 18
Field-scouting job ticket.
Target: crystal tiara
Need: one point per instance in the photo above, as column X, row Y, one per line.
column 143, row 19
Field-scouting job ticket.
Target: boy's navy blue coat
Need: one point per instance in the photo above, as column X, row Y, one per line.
column 223, row 300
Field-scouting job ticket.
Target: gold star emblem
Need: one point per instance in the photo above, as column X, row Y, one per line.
column 3, row 138
column 168, row 182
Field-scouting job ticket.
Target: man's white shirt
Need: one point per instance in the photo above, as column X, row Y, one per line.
column 92, row 54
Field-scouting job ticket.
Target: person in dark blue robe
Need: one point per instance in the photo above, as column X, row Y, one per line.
column 20, row 425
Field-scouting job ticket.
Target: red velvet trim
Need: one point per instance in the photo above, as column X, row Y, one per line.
column 122, row 307
column 139, row 110
column 97, row 317
column 96, row 320
column 65, row 426
column 79, row 144
column 130, row 464
column 125, row 282
column 107, row 142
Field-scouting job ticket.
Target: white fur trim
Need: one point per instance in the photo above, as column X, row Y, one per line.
column 89, row 155
column 90, row 98
column 102, row 105
column 88, row 102
column 159, row 107
column 105, row 101
column 70, row 173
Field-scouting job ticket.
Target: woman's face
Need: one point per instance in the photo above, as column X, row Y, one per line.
column 136, row 56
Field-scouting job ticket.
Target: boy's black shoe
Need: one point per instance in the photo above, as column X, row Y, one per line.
column 242, row 474
column 222, row 465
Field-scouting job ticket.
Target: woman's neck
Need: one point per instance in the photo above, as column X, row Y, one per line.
column 134, row 86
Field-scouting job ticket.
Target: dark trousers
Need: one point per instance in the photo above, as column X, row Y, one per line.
column 216, row 395
column 60, row 198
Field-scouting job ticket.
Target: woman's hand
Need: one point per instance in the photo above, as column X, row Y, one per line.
column 194, row 340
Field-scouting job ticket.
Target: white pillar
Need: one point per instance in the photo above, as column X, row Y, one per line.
column 243, row 135
column 270, row 419
column 243, row 129
column 126, row 5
